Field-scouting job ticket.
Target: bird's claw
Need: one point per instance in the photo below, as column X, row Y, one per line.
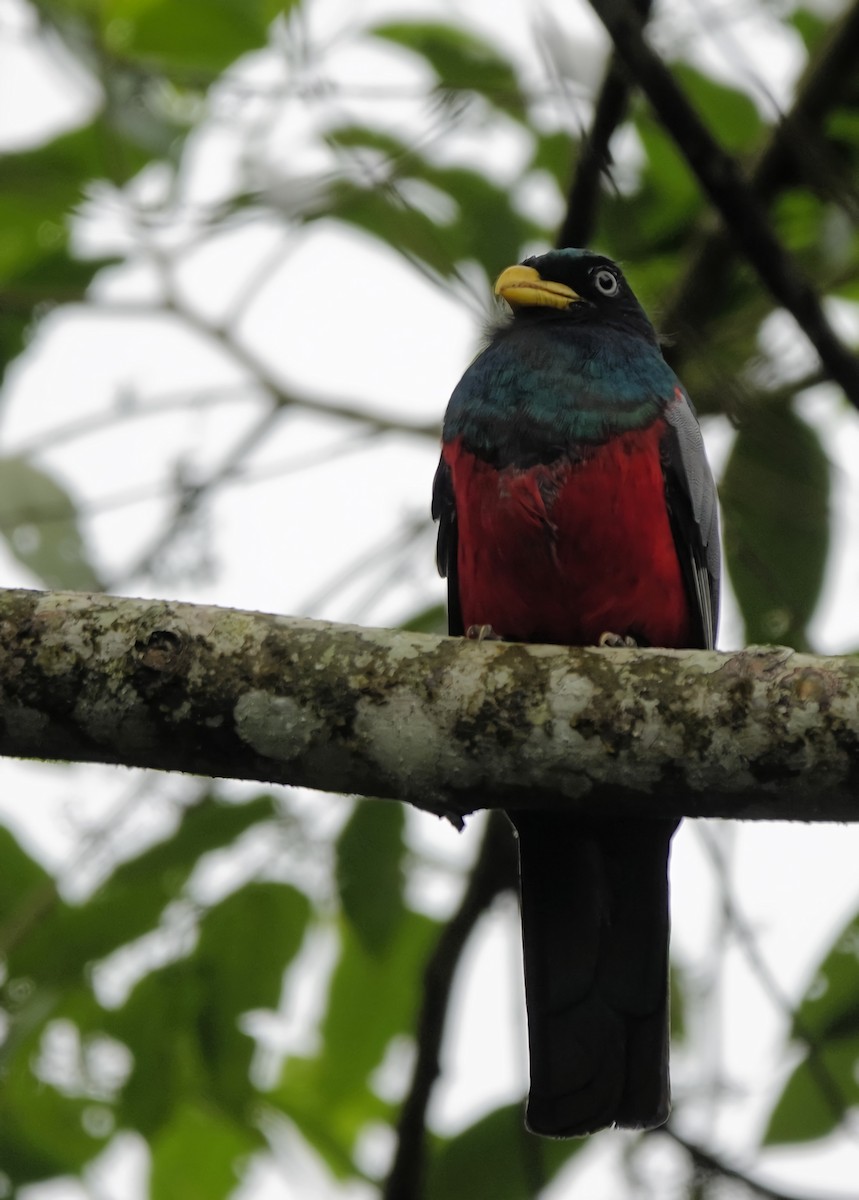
column 482, row 633
column 617, row 641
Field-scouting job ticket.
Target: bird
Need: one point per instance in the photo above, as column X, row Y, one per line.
column 576, row 507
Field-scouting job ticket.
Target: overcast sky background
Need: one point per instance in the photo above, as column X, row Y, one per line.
column 280, row 538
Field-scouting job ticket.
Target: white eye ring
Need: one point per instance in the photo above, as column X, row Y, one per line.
column 605, row 281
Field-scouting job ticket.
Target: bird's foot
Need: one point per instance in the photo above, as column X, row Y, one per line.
column 482, row 633
column 617, row 641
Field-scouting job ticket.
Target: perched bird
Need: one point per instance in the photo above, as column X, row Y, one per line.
column 576, row 507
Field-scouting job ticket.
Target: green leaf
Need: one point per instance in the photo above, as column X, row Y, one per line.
column 799, row 216
column 461, row 60
column 485, row 225
column 278, row 8
column 21, row 877
column 199, row 35
column 40, row 188
column 365, row 137
column 246, row 943
column 25, row 294
column 27, row 894
column 842, row 125
column 826, row 1082
column 817, row 1095
column 775, row 502
column 390, row 218
column 67, row 939
column 830, row 1007
column 159, row 1023
column 554, row 152
column 428, row 620
column 43, row 1132
column 658, row 215
column 371, row 1000
column 208, row 825
column 369, row 872
column 38, row 519
column 811, row 26
column 496, row 1157
column 182, row 1023
column 37, row 191
column 730, row 114
column 198, row 1155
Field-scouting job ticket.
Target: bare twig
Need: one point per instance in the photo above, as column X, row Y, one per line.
column 794, row 145
column 494, row 872
column 741, row 210
column 131, row 408
column 387, row 550
column 710, row 1164
column 594, row 159
column 282, row 400
column 260, row 375
column 830, row 1090
column 46, row 514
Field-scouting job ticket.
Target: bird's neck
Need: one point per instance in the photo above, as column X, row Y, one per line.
column 540, row 393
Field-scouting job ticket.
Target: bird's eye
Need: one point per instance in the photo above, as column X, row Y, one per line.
column 605, row 281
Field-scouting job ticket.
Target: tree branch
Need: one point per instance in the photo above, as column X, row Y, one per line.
column 742, row 212
column 707, row 1164
column 494, row 872
column 594, row 158
column 793, row 153
column 443, row 723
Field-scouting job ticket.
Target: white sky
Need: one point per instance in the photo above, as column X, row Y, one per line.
column 279, row 542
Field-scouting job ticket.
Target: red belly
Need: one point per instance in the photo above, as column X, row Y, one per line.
column 565, row 552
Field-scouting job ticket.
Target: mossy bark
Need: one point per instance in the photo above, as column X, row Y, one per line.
column 446, row 724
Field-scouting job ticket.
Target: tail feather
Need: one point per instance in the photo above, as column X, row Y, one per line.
column 595, row 940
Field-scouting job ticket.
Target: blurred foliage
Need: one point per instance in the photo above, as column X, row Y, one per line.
column 52, row 549
column 825, row 1084
column 175, row 1057
column 775, row 508
column 497, row 1157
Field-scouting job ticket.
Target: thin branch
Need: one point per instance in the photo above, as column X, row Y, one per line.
column 792, row 153
column 446, row 724
column 103, row 839
column 260, row 374
column 711, row 1164
column 742, row 212
column 130, row 407
column 282, row 400
column 494, row 872
column 367, row 561
column 594, row 160
column 47, row 514
column 831, row 1092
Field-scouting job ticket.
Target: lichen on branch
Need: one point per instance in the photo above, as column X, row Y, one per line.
column 446, row 724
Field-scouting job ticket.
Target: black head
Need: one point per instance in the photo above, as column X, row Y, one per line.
column 573, row 285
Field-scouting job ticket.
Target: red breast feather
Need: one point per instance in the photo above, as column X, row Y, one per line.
column 563, row 552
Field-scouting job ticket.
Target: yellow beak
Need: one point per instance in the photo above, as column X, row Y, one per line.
column 525, row 286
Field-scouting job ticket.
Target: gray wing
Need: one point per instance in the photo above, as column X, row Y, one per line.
column 444, row 511
column 693, row 508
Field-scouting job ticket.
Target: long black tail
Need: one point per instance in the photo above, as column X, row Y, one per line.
column 595, row 939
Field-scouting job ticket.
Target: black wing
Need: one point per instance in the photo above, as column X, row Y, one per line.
column 693, row 509
column 444, row 511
